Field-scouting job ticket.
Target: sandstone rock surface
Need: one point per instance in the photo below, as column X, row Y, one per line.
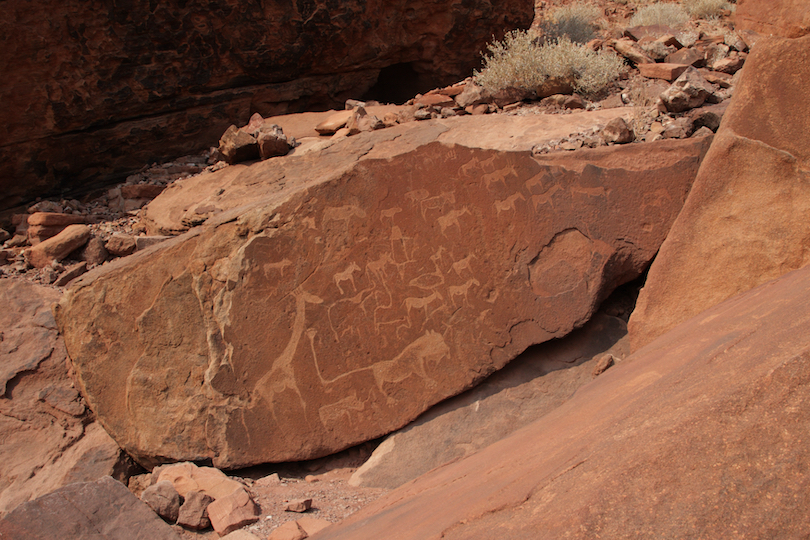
column 532, row 385
column 101, row 510
column 702, row 434
column 783, row 18
column 339, row 309
column 58, row 247
column 92, row 91
column 49, row 439
column 187, row 203
column 745, row 221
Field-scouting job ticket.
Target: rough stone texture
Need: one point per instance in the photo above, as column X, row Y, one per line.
column 783, row 18
column 121, row 245
column 700, row 435
column 311, row 525
column 745, row 221
column 617, row 131
column 48, row 437
column 163, row 499
column 44, row 225
column 187, row 203
column 532, row 385
column 92, row 90
column 232, row 512
column 193, row 513
column 339, row 310
column 689, row 90
column 288, row 531
column 298, row 505
column 186, row 477
column 58, row 247
column 667, row 72
column 101, row 510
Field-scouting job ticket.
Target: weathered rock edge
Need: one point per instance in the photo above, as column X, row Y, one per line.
column 300, row 327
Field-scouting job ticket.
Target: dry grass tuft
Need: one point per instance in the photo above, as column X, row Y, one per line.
column 575, row 21
column 520, row 62
column 706, row 9
column 662, row 13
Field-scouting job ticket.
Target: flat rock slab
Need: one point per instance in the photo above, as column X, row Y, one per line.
column 746, row 219
column 101, row 510
column 334, row 314
column 703, row 434
column 532, row 385
column 48, row 437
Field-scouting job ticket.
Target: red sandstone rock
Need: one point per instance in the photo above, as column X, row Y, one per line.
column 745, row 220
column 667, row 72
column 334, row 122
column 141, row 191
column 700, row 435
column 632, row 51
column 617, row 131
column 120, row 245
column 187, row 477
column 689, row 90
column 87, row 510
column 232, row 512
column 534, row 384
column 288, row 531
column 298, row 505
column 119, row 88
column 783, row 18
column 44, row 225
column 193, row 514
column 387, row 296
column 58, row 247
column 163, row 499
column 49, row 439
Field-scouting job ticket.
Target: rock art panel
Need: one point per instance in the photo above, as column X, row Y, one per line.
column 535, row 383
column 309, row 324
column 745, row 221
column 701, row 434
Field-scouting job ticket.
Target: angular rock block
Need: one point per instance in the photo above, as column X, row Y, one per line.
column 101, row 510
column 745, row 221
column 307, row 324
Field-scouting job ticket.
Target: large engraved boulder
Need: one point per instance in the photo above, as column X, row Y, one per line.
column 336, row 312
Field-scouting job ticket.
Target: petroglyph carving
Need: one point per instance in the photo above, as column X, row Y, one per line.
column 413, row 360
column 342, row 213
column 508, row 203
column 390, row 213
column 451, row 218
column 340, row 412
column 463, row 264
column 346, row 275
column 279, row 266
column 437, row 203
column 423, row 303
column 462, row 290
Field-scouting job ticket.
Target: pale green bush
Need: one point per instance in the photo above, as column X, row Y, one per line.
column 661, row 13
column 706, row 9
column 520, row 62
column 575, row 21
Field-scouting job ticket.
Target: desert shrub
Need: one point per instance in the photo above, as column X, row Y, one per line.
column 520, row 62
column 576, row 22
column 661, row 13
column 706, row 9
